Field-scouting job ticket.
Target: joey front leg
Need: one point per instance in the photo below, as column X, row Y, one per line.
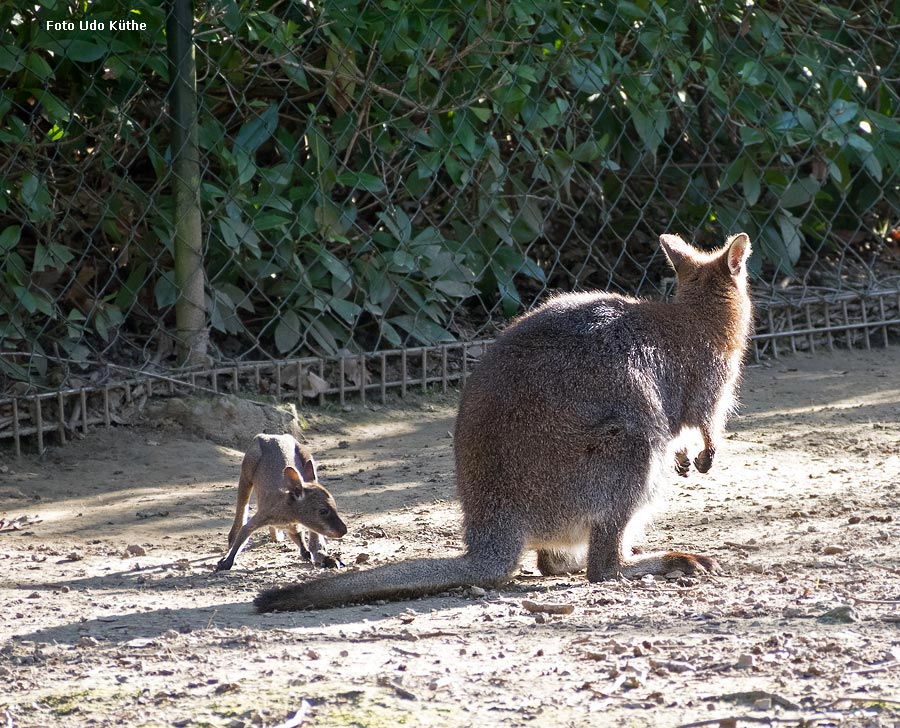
column 240, row 538
column 319, row 552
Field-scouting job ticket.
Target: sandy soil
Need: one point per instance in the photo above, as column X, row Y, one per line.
column 110, row 613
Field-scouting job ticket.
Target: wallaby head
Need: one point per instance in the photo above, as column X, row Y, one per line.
column 715, row 282
column 313, row 506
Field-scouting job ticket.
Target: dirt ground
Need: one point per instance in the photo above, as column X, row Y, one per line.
column 111, row 614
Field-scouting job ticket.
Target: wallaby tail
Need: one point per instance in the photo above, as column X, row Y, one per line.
column 403, row 580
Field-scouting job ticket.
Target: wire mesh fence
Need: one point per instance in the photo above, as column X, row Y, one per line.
column 378, row 186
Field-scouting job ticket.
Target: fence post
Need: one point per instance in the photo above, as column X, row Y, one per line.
column 190, row 307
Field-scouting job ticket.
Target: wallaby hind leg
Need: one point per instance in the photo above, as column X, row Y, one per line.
column 494, row 553
column 552, row 562
column 609, row 553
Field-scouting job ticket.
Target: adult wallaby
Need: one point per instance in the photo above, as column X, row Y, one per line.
column 283, row 474
column 566, row 425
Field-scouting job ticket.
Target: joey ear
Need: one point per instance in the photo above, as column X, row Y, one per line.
column 309, row 471
column 307, row 463
column 677, row 251
column 737, row 253
column 292, row 478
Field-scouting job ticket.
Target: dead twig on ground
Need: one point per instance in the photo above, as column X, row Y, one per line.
column 536, row 607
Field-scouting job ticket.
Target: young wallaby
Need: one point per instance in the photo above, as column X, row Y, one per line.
column 566, row 425
column 282, row 473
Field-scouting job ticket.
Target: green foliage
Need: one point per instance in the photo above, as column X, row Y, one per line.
column 393, row 173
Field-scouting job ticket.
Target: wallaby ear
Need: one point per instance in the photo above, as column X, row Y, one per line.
column 677, row 251
column 738, row 252
column 292, row 478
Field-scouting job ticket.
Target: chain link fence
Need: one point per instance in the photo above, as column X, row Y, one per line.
column 369, row 190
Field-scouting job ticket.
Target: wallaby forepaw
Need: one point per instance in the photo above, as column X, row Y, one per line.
column 224, row 565
column 682, row 463
column 703, row 462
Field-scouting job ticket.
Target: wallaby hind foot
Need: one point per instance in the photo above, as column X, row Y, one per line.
column 663, row 563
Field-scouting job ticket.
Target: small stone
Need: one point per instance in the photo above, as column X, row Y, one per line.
column 854, row 519
column 477, row 591
column 746, row 661
column 843, row 614
column 362, row 558
column 831, row 550
column 134, row 550
column 763, row 704
column 86, row 641
column 312, row 655
column 675, row 574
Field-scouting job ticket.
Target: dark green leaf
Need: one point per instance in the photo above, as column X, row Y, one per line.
column 361, row 181
column 253, row 133
column 750, row 182
column 12, row 59
column 10, row 237
column 423, row 330
column 732, row 173
column 84, row 51
column 38, row 66
column 287, row 332
column 799, row 192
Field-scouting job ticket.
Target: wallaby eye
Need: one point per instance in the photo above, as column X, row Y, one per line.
column 324, row 512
